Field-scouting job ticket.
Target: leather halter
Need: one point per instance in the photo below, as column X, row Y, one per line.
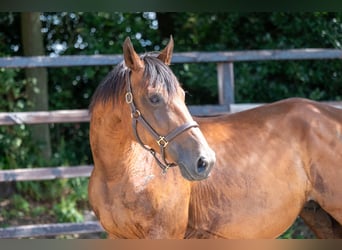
column 162, row 141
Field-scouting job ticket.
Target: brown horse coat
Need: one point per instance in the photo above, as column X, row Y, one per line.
column 270, row 161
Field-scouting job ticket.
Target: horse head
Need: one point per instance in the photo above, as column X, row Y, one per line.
column 160, row 117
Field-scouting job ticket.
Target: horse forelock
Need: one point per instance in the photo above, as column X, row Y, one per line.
column 113, row 87
column 159, row 75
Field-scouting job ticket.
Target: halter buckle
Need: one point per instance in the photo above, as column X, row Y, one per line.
column 162, row 142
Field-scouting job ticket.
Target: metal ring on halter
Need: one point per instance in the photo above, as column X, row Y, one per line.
column 166, row 167
column 135, row 114
column 129, row 97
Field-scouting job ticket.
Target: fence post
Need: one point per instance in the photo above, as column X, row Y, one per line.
column 225, row 77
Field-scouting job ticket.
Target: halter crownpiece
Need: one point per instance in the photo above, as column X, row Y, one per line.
column 162, row 141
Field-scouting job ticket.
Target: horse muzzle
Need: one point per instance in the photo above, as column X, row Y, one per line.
column 200, row 169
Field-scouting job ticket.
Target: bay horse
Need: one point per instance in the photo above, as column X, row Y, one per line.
column 271, row 163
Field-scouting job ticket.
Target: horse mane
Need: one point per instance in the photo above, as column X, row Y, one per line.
column 113, row 87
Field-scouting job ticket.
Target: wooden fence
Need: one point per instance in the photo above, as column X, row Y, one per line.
column 225, row 79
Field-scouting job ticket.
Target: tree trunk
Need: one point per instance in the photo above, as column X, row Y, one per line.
column 32, row 41
column 166, row 24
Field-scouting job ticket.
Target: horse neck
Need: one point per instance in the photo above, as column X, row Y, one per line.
column 115, row 151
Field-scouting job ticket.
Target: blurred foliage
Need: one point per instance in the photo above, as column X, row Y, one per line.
column 69, row 33
column 15, row 142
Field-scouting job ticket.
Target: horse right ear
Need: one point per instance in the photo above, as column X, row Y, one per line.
column 132, row 59
column 166, row 54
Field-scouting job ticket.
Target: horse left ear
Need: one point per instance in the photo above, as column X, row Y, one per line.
column 166, row 54
column 132, row 59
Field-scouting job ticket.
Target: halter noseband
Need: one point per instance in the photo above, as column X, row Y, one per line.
column 162, row 141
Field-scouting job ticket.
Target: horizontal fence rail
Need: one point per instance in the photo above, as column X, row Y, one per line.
column 47, row 173
column 37, row 117
column 183, row 57
column 225, row 81
column 50, row 229
column 82, row 115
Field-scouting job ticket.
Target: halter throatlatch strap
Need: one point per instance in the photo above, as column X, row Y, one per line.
column 162, row 141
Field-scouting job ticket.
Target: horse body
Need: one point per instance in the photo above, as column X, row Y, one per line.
column 270, row 161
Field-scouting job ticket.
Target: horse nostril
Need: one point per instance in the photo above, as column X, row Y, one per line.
column 202, row 164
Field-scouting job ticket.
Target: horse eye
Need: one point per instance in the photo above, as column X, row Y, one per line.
column 155, row 99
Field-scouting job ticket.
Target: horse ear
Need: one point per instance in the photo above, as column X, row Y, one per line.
column 132, row 59
column 166, row 54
